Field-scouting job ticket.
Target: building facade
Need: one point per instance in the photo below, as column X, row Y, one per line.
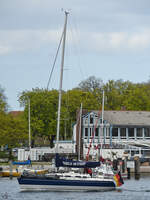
column 117, row 130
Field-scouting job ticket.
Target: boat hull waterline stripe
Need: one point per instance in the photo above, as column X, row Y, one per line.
column 63, row 188
column 35, row 184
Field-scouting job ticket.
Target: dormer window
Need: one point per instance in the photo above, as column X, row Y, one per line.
column 86, row 120
column 91, row 119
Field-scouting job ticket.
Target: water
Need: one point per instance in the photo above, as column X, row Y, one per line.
column 132, row 189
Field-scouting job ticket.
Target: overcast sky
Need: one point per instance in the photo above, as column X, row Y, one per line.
column 109, row 39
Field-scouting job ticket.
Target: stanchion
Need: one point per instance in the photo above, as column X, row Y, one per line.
column 137, row 167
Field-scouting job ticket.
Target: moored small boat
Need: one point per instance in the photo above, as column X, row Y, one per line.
column 8, row 173
column 17, row 172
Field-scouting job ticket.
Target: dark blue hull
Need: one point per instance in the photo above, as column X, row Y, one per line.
column 64, row 184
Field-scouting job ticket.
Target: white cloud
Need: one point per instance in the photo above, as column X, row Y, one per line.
column 121, row 41
column 116, row 39
column 141, row 40
column 22, row 40
column 4, row 50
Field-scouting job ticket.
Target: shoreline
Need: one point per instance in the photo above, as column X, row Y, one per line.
column 44, row 165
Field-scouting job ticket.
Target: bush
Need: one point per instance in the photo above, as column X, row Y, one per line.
column 4, row 154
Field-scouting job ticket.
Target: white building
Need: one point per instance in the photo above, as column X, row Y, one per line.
column 119, row 131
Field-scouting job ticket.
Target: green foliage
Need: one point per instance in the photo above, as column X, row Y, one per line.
column 44, row 104
column 138, row 97
column 43, row 111
column 13, row 131
column 3, row 102
column 4, row 154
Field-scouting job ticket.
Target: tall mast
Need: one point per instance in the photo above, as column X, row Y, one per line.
column 79, row 151
column 61, row 79
column 102, row 125
column 29, row 123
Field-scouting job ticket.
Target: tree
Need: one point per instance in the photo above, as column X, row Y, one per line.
column 13, row 132
column 3, row 101
column 76, row 97
column 91, row 84
column 94, row 86
column 116, row 93
column 44, row 104
column 137, row 97
column 43, row 109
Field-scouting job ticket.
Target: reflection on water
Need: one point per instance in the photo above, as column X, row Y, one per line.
column 132, row 189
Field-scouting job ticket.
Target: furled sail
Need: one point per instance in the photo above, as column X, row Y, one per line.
column 63, row 162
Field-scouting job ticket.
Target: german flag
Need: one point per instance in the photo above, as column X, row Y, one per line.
column 118, row 179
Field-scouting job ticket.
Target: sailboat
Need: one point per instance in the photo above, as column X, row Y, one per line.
column 67, row 181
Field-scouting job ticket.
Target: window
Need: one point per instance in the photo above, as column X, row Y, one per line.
column 91, row 132
column 86, row 121
column 123, row 132
column 115, row 132
column 131, row 132
column 107, row 132
column 86, row 132
column 91, row 119
column 139, row 132
column 147, row 132
column 96, row 132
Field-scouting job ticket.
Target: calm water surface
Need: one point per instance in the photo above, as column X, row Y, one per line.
column 132, row 189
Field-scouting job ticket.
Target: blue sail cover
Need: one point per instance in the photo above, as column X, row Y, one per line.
column 63, row 162
column 27, row 162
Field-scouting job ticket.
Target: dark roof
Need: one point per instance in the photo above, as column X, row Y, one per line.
column 127, row 117
column 15, row 113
